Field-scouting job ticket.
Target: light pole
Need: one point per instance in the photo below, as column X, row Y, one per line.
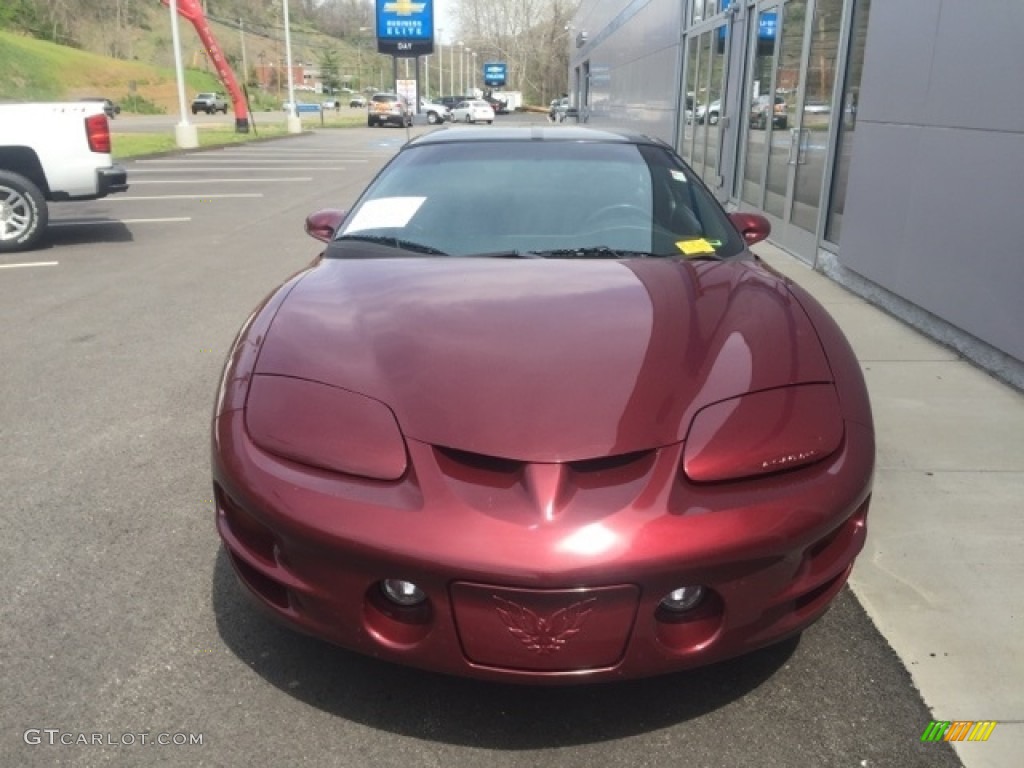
column 359, row 57
column 294, row 124
column 462, row 57
column 473, row 73
column 185, row 134
column 440, row 63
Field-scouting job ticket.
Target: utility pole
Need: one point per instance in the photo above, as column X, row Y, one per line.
column 440, row 62
column 462, row 68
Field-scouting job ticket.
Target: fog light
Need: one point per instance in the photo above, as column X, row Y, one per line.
column 682, row 599
column 402, row 592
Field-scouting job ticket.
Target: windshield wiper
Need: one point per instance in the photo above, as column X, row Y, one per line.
column 396, row 242
column 593, row 252
column 511, row 254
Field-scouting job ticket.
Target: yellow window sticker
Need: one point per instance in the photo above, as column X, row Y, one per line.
column 695, row 247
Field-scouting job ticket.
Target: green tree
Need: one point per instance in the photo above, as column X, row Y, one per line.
column 328, row 61
column 23, row 16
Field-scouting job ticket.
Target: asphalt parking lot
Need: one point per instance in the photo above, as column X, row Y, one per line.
column 123, row 618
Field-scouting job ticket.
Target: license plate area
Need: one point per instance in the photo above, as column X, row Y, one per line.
column 559, row 630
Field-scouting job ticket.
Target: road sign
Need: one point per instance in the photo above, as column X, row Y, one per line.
column 495, row 73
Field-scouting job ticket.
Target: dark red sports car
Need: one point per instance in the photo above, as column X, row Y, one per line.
column 563, row 428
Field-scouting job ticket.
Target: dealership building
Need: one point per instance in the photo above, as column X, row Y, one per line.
column 884, row 141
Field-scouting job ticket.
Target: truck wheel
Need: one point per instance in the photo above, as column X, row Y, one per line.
column 23, row 213
column 432, row 118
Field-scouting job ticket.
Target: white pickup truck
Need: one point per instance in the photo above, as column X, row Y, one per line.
column 51, row 152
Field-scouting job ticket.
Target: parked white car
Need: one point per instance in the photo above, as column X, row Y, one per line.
column 473, row 111
column 708, row 113
column 436, row 113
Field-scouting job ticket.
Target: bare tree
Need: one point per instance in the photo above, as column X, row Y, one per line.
column 529, row 35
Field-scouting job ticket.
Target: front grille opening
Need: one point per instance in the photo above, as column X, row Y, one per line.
column 815, row 551
column 480, row 461
column 808, row 599
column 608, row 463
column 272, row 591
column 254, row 536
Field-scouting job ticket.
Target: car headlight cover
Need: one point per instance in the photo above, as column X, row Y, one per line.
column 324, row 426
column 763, row 432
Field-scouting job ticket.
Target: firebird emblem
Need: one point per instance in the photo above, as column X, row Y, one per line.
column 543, row 635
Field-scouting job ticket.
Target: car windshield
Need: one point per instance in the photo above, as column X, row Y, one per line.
column 547, row 199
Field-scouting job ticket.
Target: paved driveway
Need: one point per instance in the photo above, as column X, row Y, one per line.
column 121, row 616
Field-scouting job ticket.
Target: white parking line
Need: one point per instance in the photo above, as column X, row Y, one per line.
column 294, row 151
column 30, row 264
column 222, row 162
column 215, row 181
column 248, row 159
column 86, row 222
column 121, row 198
column 231, row 168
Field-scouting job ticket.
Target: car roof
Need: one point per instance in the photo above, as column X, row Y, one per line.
column 452, row 135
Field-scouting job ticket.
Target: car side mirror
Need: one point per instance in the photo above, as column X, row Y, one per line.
column 752, row 226
column 323, row 224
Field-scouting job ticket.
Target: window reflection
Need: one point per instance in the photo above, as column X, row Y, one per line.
column 851, row 95
column 698, row 11
column 819, row 86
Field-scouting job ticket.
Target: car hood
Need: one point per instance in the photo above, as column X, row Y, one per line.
column 543, row 360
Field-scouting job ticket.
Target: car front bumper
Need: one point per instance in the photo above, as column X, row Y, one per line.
column 521, row 594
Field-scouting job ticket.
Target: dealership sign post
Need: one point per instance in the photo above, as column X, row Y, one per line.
column 495, row 73
column 405, row 30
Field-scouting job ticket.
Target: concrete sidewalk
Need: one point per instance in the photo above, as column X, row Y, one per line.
column 942, row 575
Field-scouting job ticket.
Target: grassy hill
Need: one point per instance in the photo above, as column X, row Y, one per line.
column 35, row 70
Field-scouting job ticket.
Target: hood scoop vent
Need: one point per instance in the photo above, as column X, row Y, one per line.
column 526, row 491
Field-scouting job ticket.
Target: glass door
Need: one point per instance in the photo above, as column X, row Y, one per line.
column 794, row 48
column 816, row 114
column 707, row 57
column 785, row 142
column 767, row 116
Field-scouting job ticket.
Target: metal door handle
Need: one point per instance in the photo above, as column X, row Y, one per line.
column 794, row 136
column 804, row 144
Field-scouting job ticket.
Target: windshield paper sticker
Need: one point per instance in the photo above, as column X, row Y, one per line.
column 386, row 213
column 695, row 247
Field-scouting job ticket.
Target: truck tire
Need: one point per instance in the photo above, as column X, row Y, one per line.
column 23, row 213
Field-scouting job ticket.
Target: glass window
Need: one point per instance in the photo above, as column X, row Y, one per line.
column 787, row 85
column 555, row 198
column 698, row 11
column 766, row 112
column 691, row 96
column 848, row 124
column 816, row 120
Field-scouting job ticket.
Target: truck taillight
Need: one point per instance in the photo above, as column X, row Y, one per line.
column 97, row 131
